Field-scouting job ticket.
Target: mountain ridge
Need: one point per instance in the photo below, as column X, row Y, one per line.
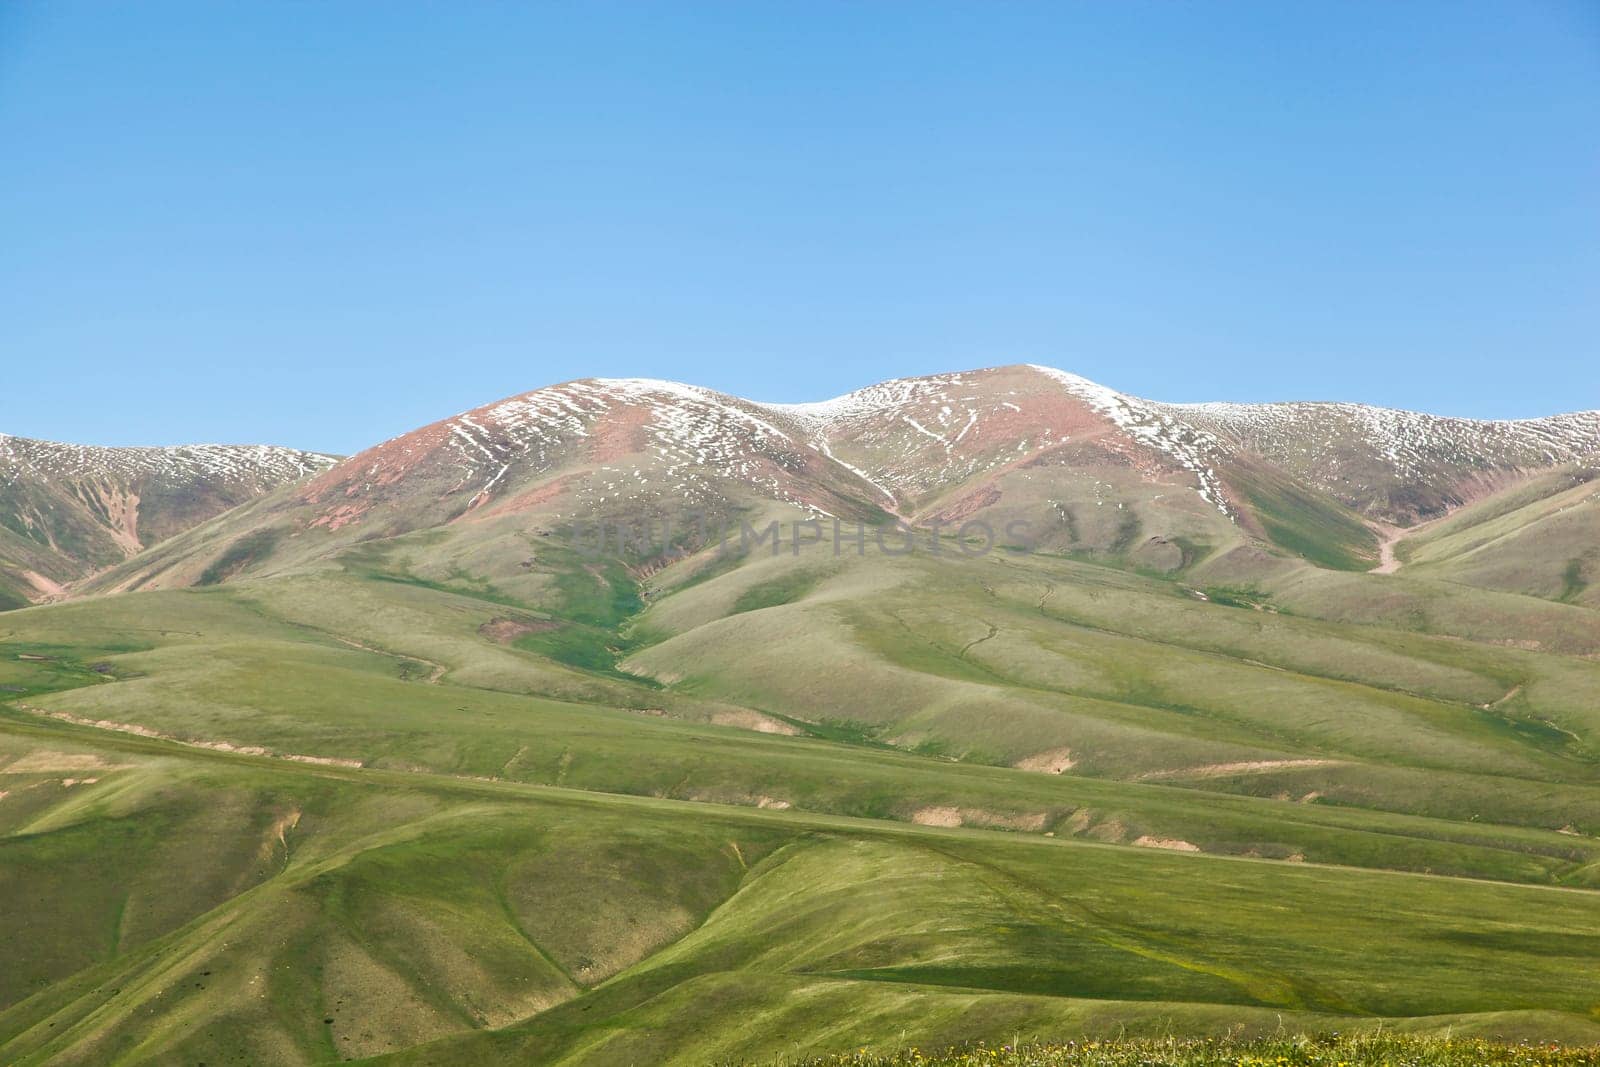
column 1191, row 433
column 410, row 773
column 67, row 510
column 1093, row 471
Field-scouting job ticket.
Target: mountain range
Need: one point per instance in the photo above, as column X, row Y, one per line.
column 1231, row 489
column 1181, row 718
column 67, row 511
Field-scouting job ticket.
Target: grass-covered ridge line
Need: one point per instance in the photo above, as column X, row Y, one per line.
column 469, row 796
column 1380, row 1050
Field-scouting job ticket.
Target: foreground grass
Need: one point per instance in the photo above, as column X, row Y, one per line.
column 467, row 851
column 1360, row 1051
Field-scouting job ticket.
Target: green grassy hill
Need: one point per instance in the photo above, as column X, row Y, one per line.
column 412, row 776
column 1538, row 539
column 1323, row 1050
column 337, row 814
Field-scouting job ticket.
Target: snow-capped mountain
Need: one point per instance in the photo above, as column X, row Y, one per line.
column 1089, row 469
column 68, row 510
column 1396, row 465
column 1372, row 459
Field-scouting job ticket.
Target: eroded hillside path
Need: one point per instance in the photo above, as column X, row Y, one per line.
column 436, row 671
column 1388, row 563
column 1390, row 535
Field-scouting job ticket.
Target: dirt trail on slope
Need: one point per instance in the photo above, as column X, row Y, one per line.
column 45, row 587
column 437, row 670
column 1390, row 535
column 1387, row 562
column 1510, row 693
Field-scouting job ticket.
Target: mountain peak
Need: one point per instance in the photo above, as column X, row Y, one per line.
column 1098, row 470
column 906, row 441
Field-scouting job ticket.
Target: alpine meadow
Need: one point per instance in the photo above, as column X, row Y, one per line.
column 629, row 722
column 446, row 622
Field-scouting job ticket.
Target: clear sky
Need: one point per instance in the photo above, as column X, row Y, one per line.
column 321, row 224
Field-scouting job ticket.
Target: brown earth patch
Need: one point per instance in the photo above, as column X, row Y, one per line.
column 215, row 746
column 278, row 834
column 619, row 434
column 45, row 586
column 121, row 509
column 971, row 503
column 322, row 761
column 341, row 516
column 1051, row 761
column 504, row 629
column 745, row 719
column 377, row 467
column 515, row 505
column 1172, row 844
column 992, row 820
column 1113, row 831
column 47, row 762
column 1222, row 770
column 937, row 817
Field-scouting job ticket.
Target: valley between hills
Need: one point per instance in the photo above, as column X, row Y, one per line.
column 1192, row 719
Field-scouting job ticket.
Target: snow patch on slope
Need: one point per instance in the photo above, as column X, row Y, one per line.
column 912, row 427
column 874, row 400
column 908, row 437
column 264, row 465
column 1153, row 424
column 1314, row 438
column 697, row 434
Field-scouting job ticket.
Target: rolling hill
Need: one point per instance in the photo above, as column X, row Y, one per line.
column 1043, row 711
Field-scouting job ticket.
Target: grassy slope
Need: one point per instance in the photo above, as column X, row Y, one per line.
column 1322, row 1050
column 226, row 680
column 1539, row 539
column 1308, row 524
column 403, row 907
column 217, row 906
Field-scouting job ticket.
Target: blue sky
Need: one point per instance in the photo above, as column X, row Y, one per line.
column 321, row 224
